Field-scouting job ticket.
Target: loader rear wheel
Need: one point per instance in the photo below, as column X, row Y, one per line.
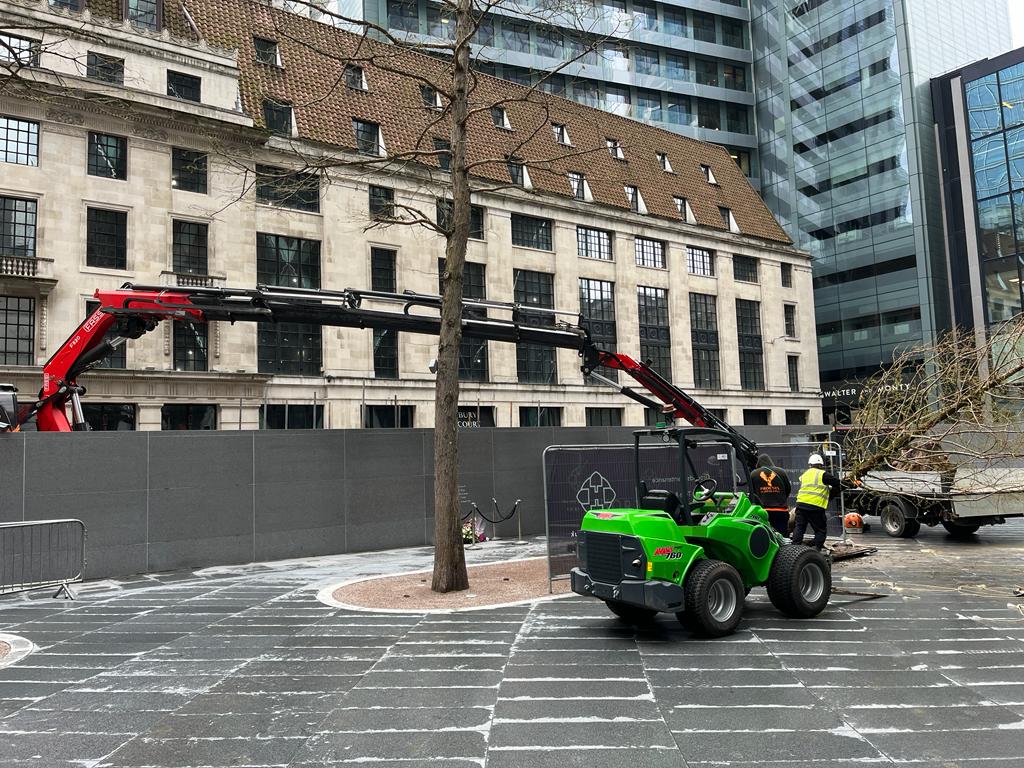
column 895, row 520
column 631, row 614
column 800, row 581
column 960, row 531
column 713, row 600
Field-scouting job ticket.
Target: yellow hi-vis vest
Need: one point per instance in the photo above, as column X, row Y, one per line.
column 813, row 490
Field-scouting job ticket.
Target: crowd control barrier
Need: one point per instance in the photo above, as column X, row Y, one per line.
column 40, row 555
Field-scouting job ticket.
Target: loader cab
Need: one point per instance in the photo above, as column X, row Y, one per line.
column 679, row 470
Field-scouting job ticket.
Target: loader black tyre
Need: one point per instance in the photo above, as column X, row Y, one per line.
column 631, row 614
column 960, row 531
column 800, row 581
column 713, row 600
column 896, row 521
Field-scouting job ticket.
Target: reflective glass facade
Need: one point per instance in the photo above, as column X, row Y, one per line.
column 848, row 161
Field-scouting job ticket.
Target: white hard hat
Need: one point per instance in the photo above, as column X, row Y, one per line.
column 815, row 460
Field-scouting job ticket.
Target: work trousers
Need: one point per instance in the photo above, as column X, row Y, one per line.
column 815, row 517
column 779, row 518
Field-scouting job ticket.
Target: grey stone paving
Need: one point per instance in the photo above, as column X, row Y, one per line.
column 243, row 667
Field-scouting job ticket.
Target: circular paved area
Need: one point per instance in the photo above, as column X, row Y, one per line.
column 243, row 667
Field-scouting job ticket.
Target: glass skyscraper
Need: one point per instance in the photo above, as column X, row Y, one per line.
column 848, row 160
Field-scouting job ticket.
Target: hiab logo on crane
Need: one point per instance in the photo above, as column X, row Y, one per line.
column 596, row 493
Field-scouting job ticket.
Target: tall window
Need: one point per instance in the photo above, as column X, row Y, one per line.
column 516, row 171
column 704, row 339
column 476, row 218
column 293, row 349
column 597, row 311
column 594, row 243
column 531, row 232
column 19, row 141
column 190, row 346
column 472, row 352
column 383, row 275
column 17, row 330
column 744, row 269
column 119, row 357
column 649, row 253
column 578, row 185
column 18, row 227
column 182, row 86
column 190, row 241
column 655, row 337
column 787, row 275
column 189, row 416
column 107, row 69
column 789, row 316
column 537, row 416
column 793, row 369
column 368, row 141
column 748, row 329
column 291, row 416
column 388, row 416
column 382, row 202
column 604, row 417
column 144, row 14
column 189, row 170
column 278, row 117
column 108, row 156
column 535, row 363
column 700, row 261
column 106, row 239
column 385, row 353
column 288, row 189
column 633, row 198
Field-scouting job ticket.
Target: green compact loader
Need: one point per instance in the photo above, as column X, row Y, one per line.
column 697, row 559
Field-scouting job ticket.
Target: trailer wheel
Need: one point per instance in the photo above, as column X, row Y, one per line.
column 800, row 581
column 714, row 599
column 895, row 520
column 962, row 531
column 631, row 614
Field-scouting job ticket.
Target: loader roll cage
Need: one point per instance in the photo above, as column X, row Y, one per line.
column 133, row 310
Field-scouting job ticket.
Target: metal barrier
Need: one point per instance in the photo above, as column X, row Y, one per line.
column 41, row 554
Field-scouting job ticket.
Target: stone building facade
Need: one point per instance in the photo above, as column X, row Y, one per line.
column 127, row 154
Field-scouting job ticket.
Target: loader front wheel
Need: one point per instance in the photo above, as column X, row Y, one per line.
column 714, row 599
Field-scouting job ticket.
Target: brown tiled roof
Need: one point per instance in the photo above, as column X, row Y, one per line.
column 313, row 56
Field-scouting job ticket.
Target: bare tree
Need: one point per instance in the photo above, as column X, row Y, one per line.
column 952, row 407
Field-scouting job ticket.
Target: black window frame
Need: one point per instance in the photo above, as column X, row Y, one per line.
column 109, row 417
column 532, row 232
column 597, row 315
column 19, row 227
column 104, row 68
column 477, row 213
column 474, row 357
column 301, row 269
column 632, row 197
column 793, row 372
column 700, row 261
column 191, row 415
column 19, row 141
column 154, row 10
column 604, row 417
column 704, row 340
column 355, row 77
column 649, row 252
column 789, row 321
column 786, row 274
column 381, row 202
column 594, row 243
column 284, row 188
column 746, row 269
column 429, row 96
column 26, row 55
column 267, row 51
column 368, row 137
column 516, row 171
column 655, row 329
column 443, row 148
column 278, row 117
column 383, row 269
column 107, row 156
column 385, row 353
column 535, row 363
column 190, row 247
column 106, row 239
column 181, row 85
column 750, row 345
column 280, row 416
column 189, row 170
column 396, row 416
column 288, row 349
column 21, row 333
column 191, row 345
column 499, row 117
column 540, row 416
column 578, row 185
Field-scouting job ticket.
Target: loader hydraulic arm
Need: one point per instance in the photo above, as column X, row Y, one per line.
column 133, row 310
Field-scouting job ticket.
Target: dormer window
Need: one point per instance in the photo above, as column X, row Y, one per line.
column 355, row 78
column 615, row 149
column 685, row 211
column 144, row 14
column 430, row 97
column 709, row 175
column 561, row 134
column 664, row 162
column 369, row 140
column 518, row 173
column 636, row 200
column 500, row 118
column 729, row 220
column 579, row 186
column 278, row 117
column 266, row 51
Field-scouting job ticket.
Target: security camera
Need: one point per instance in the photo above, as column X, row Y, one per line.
column 433, row 366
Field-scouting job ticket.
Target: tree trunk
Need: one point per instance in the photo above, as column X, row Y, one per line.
column 449, row 557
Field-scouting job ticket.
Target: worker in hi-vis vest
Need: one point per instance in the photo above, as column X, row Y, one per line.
column 816, row 488
column 770, row 488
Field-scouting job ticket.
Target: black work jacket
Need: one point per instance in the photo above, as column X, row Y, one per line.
column 770, row 487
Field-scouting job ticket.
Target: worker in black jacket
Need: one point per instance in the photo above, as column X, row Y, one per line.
column 770, row 487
